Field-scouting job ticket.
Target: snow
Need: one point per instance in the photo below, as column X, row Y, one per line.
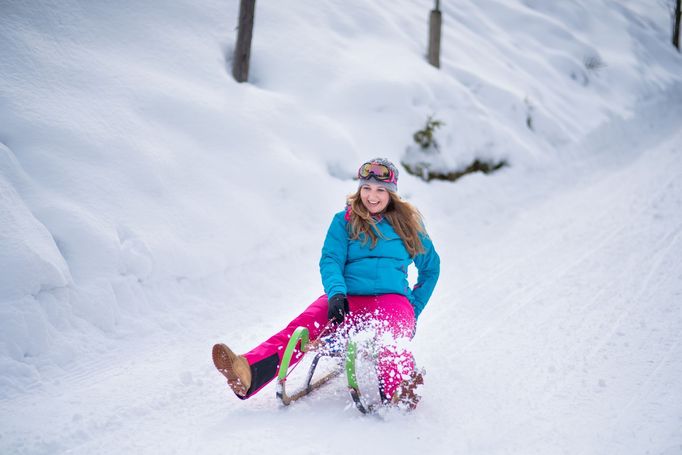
column 150, row 206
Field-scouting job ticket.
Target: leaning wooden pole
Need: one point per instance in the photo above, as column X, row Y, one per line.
column 435, row 20
column 242, row 51
column 676, row 25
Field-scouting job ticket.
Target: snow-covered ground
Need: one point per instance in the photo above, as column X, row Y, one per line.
column 150, row 206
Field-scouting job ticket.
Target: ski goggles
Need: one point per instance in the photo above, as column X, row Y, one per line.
column 378, row 171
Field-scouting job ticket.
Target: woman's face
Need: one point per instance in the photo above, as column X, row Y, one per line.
column 374, row 197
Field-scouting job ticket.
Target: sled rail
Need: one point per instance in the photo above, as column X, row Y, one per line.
column 301, row 335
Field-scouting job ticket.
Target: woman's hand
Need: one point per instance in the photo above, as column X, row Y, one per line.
column 337, row 308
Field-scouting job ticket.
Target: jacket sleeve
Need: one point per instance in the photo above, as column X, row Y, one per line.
column 428, row 266
column 334, row 254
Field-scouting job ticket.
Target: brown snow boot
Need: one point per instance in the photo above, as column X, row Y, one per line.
column 234, row 367
column 405, row 396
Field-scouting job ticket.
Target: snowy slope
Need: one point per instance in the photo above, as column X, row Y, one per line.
column 150, row 206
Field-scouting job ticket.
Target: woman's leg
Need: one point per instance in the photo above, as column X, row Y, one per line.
column 391, row 316
column 265, row 358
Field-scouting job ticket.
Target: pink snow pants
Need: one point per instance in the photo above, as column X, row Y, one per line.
column 390, row 313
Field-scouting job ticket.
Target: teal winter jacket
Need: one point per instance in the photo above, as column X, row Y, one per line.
column 348, row 267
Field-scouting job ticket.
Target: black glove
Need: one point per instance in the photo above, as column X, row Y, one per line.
column 337, row 308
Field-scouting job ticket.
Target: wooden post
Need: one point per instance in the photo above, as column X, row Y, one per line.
column 242, row 51
column 676, row 25
column 435, row 21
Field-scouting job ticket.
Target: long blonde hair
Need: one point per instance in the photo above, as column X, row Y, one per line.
column 403, row 217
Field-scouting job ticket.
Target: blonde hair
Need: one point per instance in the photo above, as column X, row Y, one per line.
column 403, row 217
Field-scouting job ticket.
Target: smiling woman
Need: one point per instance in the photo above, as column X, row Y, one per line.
column 374, row 197
column 365, row 257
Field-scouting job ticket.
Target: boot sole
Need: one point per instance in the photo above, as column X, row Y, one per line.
column 224, row 360
column 406, row 395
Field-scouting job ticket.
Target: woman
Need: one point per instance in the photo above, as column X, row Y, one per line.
column 364, row 262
